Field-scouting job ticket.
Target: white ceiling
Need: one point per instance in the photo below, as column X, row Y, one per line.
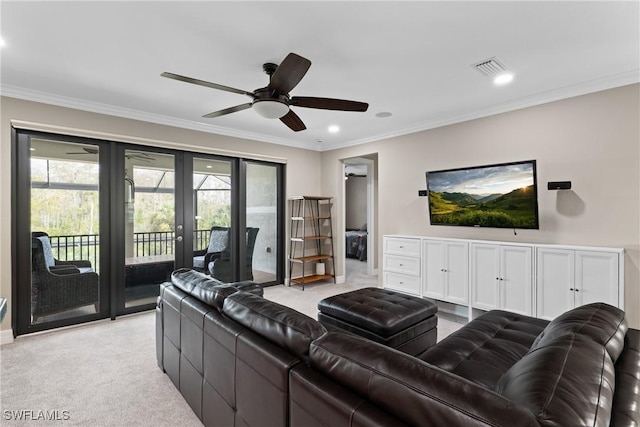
column 412, row 59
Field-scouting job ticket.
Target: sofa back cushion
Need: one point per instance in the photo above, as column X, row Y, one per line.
column 566, row 381
column 203, row 287
column 602, row 323
column 281, row 325
column 412, row 390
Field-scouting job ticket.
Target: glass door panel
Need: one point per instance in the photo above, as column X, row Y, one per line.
column 65, row 226
column 261, row 222
column 149, row 230
column 212, row 217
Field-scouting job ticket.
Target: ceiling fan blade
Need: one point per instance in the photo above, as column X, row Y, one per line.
column 205, row 84
column 292, row 120
column 289, row 73
column 228, row 110
column 328, row 103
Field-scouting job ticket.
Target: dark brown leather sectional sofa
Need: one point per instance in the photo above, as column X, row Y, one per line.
column 241, row 360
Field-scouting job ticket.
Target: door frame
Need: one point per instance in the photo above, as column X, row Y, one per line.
column 21, row 231
column 371, row 224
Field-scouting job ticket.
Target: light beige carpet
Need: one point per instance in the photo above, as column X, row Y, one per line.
column 105, row 373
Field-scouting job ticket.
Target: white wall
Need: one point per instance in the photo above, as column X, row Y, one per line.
column 592, row 140
column 356, row 202
column 302, row 176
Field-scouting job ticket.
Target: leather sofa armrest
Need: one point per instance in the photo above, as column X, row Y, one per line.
column 625, row 410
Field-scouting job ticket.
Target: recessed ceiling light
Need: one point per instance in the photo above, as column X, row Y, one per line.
column 503, row 78
column 334, row 128
column 209, row 167
column 2, row 42
column 384, row 114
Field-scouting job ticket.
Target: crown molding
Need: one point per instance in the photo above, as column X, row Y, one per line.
column 582, row 88
column 128, row 113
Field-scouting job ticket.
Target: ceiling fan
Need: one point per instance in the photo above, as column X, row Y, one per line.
column 273, row 101
column 138, row 155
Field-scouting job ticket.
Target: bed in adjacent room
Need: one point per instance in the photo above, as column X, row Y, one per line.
column 356, row 243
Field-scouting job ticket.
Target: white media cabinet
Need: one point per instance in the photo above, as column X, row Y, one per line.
column 537, row 280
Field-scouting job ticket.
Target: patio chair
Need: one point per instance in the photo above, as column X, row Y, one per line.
column 83, row 265
column 57, row 286
column 220, row 268
column 218, row 241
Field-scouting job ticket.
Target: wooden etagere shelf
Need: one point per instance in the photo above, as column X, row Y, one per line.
column 311, row 240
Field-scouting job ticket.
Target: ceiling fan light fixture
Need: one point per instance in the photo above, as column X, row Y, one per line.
column 270, row 109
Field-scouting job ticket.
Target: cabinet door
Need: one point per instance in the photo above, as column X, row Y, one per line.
column 555, row 281
column 596, row 278
column 433, row 255
column 456, row 272
column 484, row 276
column 515, row 279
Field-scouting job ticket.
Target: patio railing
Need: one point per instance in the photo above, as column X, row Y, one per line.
column 87, row 246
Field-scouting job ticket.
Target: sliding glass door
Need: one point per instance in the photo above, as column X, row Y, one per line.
column 62, row 267
column 212, row 216
column 262, row 198
column 100, row 225
column 150, row 230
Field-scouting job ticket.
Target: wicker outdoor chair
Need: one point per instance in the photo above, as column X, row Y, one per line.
column 218, row 241
column 58, row 286
column 220, row 267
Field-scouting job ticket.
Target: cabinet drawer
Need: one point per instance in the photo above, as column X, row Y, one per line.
column 402, row 282
column 402, row 264
column 400, row 246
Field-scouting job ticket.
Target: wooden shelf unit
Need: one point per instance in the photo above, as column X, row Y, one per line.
column 311, row 239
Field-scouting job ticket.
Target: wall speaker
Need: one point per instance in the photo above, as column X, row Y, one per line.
column 559, row 185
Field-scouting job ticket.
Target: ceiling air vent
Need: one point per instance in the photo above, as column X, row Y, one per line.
column 490, row 67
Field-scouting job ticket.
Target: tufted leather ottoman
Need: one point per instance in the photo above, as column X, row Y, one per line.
column 401, row 321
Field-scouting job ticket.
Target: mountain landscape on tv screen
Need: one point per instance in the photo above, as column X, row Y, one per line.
column 515, row 209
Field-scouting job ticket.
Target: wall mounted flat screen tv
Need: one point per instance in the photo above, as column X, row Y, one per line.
column 502, row 195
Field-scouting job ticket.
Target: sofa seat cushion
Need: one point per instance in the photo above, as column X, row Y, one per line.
column 601, row 322
column 281, row 325
column 484, row 349
column 417, row 393
column 567, row 381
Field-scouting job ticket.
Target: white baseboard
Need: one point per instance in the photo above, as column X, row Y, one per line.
column 6, row 336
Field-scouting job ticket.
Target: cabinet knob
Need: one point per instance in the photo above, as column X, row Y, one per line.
column 497, row 278
column 577, row 290
column 401, row 265
column 571, row 289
